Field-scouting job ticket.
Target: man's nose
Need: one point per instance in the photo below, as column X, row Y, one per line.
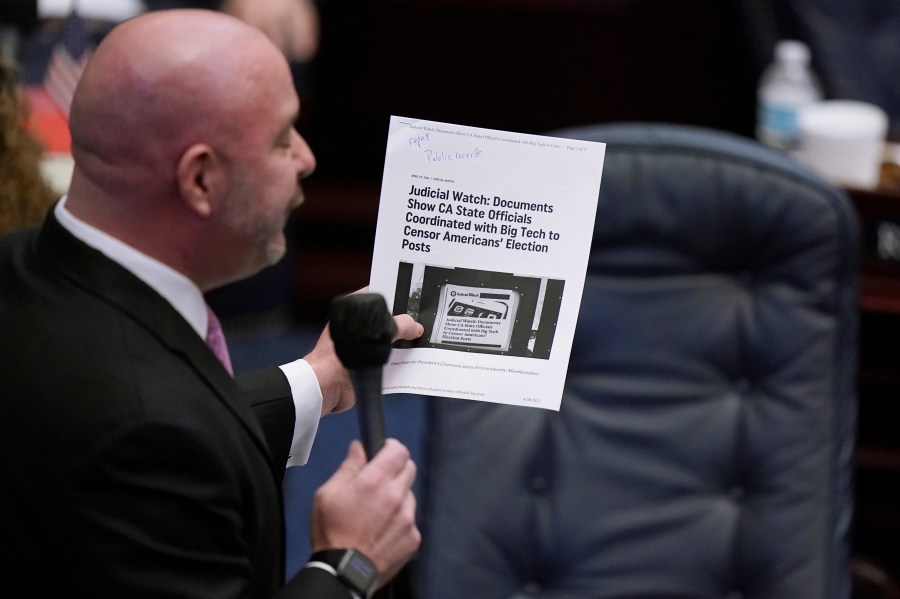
column 305, row 159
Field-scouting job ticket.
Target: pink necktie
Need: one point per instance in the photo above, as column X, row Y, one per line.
column 215, row 339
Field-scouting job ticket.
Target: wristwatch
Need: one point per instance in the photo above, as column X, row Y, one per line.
column 352, row 568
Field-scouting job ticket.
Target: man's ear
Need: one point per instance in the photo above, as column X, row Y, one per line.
column 200, row 178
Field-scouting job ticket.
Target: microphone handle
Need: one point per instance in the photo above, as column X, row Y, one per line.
column 369, row 404
column 367, row 384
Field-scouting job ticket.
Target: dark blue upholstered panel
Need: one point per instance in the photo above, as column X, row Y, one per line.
column 704, row 444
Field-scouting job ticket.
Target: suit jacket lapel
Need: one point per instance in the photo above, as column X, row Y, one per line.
column 115, row 285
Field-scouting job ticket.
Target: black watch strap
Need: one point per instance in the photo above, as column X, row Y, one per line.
column 352, row 568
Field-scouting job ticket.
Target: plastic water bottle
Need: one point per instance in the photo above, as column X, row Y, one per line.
column 786, row 85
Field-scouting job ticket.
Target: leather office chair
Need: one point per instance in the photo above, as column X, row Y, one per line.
column 704, row 444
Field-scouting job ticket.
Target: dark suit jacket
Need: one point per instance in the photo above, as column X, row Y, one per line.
column 132, row 464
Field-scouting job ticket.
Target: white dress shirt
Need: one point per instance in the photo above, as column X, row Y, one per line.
column 188, row 300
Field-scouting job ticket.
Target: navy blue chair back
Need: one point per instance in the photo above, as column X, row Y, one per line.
column 704, row 445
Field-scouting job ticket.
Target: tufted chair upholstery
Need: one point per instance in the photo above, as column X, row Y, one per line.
column 704, row 444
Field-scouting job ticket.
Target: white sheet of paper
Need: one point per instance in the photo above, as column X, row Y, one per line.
column 483, row 236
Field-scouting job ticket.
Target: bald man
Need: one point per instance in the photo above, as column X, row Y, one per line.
column 134, row 465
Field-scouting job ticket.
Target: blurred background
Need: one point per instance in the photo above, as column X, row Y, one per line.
column 537, row 65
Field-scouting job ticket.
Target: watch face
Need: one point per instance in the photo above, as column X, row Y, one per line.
column 358, row 571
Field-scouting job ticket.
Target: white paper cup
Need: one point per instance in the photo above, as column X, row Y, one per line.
column 843, row 140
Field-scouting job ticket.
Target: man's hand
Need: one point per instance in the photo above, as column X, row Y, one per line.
column 334, row 380
column 370, row 506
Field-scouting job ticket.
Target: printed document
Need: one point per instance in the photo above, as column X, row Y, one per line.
column 483, row 237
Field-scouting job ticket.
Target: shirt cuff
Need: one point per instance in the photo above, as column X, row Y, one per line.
column 307, row 409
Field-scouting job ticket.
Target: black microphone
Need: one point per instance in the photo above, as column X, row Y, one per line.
column 362, row 329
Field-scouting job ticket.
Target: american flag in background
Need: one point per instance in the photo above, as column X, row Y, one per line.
column 70, row 55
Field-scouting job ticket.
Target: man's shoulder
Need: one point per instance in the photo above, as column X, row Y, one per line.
column 17, row 253
column 17, row 240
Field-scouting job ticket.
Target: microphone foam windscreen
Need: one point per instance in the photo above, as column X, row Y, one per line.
column 362, row 329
